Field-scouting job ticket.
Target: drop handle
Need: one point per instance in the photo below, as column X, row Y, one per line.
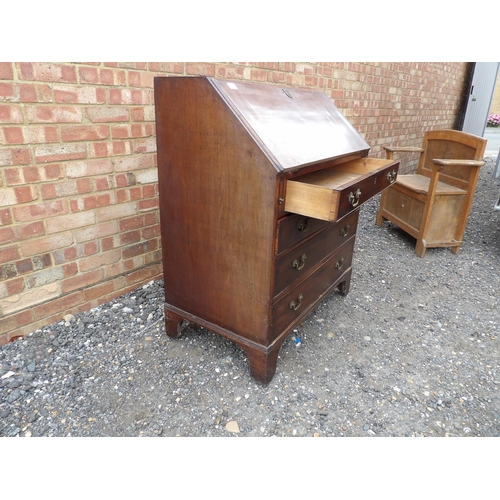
column 339, row 263
column 294, row 305
column 354, row 197
column 345, row 230
column 299, row 265
column 303, row 224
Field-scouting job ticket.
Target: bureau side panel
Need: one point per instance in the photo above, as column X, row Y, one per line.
column 217, row 207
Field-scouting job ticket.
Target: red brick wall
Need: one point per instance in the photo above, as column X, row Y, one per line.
column 78, row 182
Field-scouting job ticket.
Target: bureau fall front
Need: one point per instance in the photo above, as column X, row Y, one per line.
column 260, row 188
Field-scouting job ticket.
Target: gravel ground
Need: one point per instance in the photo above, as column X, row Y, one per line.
column 412, row 350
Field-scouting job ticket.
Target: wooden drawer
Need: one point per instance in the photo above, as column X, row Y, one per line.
column 331, row 193
column 294, row 228
column 298, row 301
column 300, row 261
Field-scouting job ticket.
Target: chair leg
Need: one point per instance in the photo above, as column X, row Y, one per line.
column 379, row 219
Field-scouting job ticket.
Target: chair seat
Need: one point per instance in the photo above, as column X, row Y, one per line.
column 420, row 184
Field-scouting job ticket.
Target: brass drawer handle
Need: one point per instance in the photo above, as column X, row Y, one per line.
column 303, row 224
column 299, row 265
column 299, row 301
column 345, row 230
column 339, row 263
column 354, row 197
column 391, row 176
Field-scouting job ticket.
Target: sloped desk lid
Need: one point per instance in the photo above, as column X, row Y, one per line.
column 294, row 127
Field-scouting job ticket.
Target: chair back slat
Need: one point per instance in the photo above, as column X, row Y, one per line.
column 451, row 144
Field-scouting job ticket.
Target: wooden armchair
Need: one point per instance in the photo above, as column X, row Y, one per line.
column 433, row 205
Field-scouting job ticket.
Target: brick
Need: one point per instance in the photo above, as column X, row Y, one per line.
column 146, row 274
column 47, row 72
column 89, row 168
column 70, row 221
column 15, row 286
column 5, row 217
column 45, row 244
column 84, row 133
column 25, row 194
column 8, row 197
column 145, row 145
column 131, row 223
column 7, row 235
column 29, row 92
column 31, row 230
column 40, row 210
column 129, row 237
column 90, row 202
column 148, row 205
column 101, row 184
column 59, row 306
column 116, row 211
column 8, row 270
column 151, row 232
column 99, row 291
column 79, row 95
column 147, row 176
column 53, row 172
column 53, row 153
column 29, row 298
column 101, row 259
column 127, row 179
column 65, row 188
column 31, row 175
column 89, row 75
column 134, row 250
column 140, row 79
column 200, row 68
column 70, row 269
column 82, row 281
column 96, row 232
column 128, row 164
column 14, row 156
column 13, row 135
column 14, row 321
column 6, row 71
column 41, row 261
column 44, row 277
column 54, row 114
column 65, row 255
column 10, row 113
column 24, row 266
column 39, row 134
column 101, row 114
column 150, row 191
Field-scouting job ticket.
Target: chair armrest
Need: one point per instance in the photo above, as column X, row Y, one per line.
column 390, row 150
column 463, row 163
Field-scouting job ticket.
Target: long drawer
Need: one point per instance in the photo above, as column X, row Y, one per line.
column 299, row 262
column 298, row 300
column 332, row 193
column 294, row 228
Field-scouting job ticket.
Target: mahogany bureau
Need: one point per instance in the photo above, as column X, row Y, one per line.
column 260, row 188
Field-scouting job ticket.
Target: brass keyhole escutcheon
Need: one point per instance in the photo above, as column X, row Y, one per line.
column 354, row 197
column 299, row 301
column 339, row 263
column 345, row 230
column 303, row 224
column 299, row 265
